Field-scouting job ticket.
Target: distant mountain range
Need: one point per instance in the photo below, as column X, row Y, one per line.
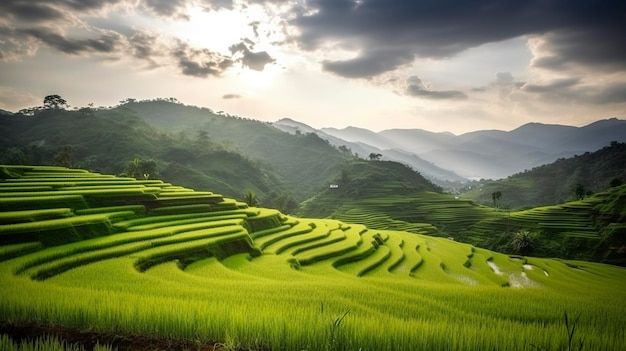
column 488, row 154
column 444, row 158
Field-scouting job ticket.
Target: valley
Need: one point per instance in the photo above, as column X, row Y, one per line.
column 221, row 232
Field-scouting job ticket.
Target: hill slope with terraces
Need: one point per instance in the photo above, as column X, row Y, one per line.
column 590, row 229
column 144, row 259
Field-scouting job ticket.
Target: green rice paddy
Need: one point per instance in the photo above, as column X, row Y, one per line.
column 153, row 259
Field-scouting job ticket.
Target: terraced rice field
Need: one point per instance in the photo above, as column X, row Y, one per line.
column 144, row 257
column 569, row 225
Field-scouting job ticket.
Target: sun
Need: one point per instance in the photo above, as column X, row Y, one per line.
column 214, row 30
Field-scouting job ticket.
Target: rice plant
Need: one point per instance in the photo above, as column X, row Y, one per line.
column 186, row 268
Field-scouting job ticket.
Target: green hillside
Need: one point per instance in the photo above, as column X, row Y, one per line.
column 192, row 146
column 305, row 161
column 209, row 151
column 107, row 140
column 590, row 229
column 556, row 182
column 119, row 259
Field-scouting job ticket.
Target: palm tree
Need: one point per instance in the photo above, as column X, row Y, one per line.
column 496, row 196
column 251, row 199
column 523, row 242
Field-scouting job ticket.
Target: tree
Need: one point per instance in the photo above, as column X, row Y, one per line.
column 374, row 156
column 86, row 111
column 496, row 196
column 53, row 102
column 579, row 191
column 128, row 101
column 30, row 111
column 64, row 157
column 202, row 138
column 345, row 177
column 284, row 202
column 344, row 150
column 615, row 182
column 13, row 156
column 141, row 168
column 523, row 242
column 251, row 199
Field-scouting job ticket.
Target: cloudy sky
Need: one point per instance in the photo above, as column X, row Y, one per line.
column 439, row 65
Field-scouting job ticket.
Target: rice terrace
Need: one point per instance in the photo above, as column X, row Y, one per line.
column 116, row 259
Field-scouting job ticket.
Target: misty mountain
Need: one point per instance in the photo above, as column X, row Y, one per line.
column 492, row 154
column 556, row 182
column 418, row 139
column 371, row 142
column 365, row 136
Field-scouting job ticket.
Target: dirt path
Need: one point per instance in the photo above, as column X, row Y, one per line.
column 89, row 339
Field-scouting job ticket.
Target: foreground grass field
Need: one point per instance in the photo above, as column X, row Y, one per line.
column 120, row 256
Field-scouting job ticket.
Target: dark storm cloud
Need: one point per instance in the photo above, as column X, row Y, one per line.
column 88, row 5
column 256, row 60
column 45, row 10
column 368, row 65
column 553, row 86
column 166, row 8
column 30, row 23
column 231, row 96
column 613, row 93
column 29, row 10
column 174, row 8
column 417, row 88
column 252, row 60
column 200, row 62
column 599, row 49
column 439, row 29
column 575, row 90
column 105, row 42
column 145, row 46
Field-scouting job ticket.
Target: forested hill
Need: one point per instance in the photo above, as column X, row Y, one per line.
column 191, row 146
column 305, row 162
column 118, row 141
column 362, row 180
column 565, row 179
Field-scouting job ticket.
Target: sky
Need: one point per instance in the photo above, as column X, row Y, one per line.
column 438, row 65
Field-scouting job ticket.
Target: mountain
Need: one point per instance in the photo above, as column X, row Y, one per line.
column 290, row 126
column 192, row 146
column 373, row 143
column 293, row 127
column 492, row 154
column 107, row 140
column 417, row 140
column 556, row 182
column 305, row 161
column 231, row 155
column 365, row 136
